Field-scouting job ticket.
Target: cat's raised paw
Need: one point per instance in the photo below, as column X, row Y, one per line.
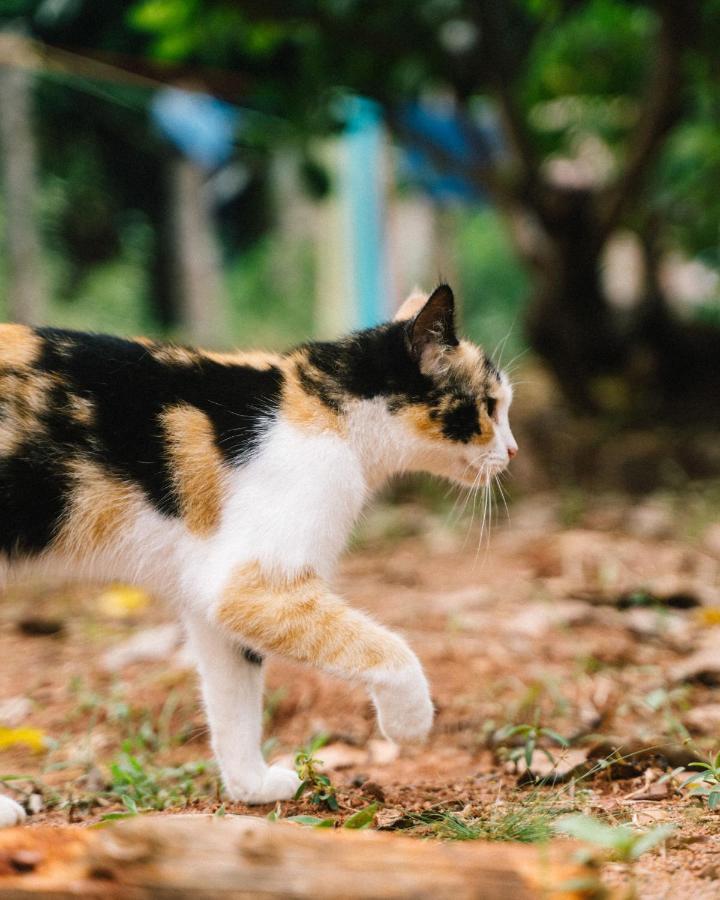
column 404, row 709
column 275, row 783
column 11, row 813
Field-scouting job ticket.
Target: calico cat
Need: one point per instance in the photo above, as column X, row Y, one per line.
column 229, row 483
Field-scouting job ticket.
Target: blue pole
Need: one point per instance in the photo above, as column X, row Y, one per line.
column 363, row 157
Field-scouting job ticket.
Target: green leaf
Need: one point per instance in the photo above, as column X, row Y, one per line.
column 693, row 779
column 301, row 790
column 529, row 749
column 702, row 790
column 363, row 818
column 558, row 738
column 651, row 839
column 587, row 828
column 314, row 821
column 130, row 803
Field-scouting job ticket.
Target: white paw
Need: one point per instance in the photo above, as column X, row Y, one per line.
column 11, row 813
column 271, row 784
column 404, row 708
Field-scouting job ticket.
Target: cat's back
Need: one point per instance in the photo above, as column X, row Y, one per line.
column 92, row 421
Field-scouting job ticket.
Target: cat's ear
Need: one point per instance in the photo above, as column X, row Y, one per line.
column 412, row 305
column 434, row 325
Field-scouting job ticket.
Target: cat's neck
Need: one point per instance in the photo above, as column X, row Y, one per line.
column 371, row 436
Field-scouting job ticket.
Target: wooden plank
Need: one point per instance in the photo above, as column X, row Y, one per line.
column 203, row 857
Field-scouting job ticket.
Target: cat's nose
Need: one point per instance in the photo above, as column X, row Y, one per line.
column 512, row 450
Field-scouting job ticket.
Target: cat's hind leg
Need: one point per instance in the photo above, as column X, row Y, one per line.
column 11, row 813
column 232, row 688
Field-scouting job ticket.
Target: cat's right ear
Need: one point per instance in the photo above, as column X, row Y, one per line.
column 434, row 325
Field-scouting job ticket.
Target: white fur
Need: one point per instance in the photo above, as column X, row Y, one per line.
column 290, row 508
column 11, row 813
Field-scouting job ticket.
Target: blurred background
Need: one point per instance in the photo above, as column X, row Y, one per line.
column 258, row 173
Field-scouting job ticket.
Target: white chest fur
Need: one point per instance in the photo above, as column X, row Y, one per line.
column 290, row 507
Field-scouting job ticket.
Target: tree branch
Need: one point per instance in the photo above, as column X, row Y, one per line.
column 661, row 110
column 501, row 59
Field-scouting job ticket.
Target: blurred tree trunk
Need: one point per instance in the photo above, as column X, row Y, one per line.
column 25, row 301
column 569, row 320
column 201, row 293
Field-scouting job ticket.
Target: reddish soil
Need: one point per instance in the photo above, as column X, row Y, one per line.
column 566, row 627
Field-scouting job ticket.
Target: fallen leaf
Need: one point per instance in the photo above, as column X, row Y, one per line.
column 33, row 738
column 657, row 791
column 121, row 601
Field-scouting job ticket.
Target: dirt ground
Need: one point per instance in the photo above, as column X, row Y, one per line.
column 599, row 621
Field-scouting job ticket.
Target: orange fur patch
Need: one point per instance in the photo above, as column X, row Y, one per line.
column 196, row 464
column 254, row 359
column 23, row 398
column 101, row 507
column 421, row 418
column 302, row 408
column 81, row 409
column 187, row 356
column 301, row 618
column 19, row 346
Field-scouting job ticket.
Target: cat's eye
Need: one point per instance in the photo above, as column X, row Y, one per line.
column 491, row 403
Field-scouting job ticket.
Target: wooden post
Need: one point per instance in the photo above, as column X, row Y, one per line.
column 17, row 167
column 202, row 295
column 203, row 857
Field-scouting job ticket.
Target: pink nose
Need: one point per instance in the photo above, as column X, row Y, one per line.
column 512, row 451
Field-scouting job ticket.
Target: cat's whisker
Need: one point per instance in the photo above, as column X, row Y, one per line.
column 474, row 491
column 459, row 497
column 518, row 356
column 502, row 495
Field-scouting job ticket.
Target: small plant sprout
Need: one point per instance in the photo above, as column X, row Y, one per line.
column 531, row 736
column 706, row 782
column 311, row 780
column 625, row 844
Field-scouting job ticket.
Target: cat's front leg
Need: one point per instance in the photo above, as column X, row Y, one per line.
column 232, row 686
column 301, row 618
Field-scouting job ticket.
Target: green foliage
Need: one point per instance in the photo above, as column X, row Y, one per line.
column 528, row 822
column 492, row 283
column 625, row 844
column 531, row 735
column 142, row 786
column 312, row 780
column 363, row 818
column 706, row 782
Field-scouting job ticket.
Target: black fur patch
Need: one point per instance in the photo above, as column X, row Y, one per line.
column 127, row 389
column 461, row 422
column 373, row 363
column 32, row 499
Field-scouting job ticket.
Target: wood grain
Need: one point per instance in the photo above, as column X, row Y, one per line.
column 241, row 856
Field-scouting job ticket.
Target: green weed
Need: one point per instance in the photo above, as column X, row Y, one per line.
column 312, row 780
column 706, row 782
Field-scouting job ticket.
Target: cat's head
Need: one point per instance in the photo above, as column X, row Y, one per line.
column 457, row 424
